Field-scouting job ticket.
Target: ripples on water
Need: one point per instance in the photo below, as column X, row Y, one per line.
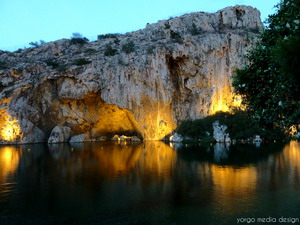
column 147, row 183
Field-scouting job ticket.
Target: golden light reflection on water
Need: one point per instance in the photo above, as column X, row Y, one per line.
column 291, row 159
column 9, row 159
column 118, row 159
column 106, row 160
column 234, row 186
column 228, row 180
column 157, row 157
column 292, row 152
column 114, row 159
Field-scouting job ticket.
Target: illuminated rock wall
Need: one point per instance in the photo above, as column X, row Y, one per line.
column 9, row 127
column 145, row 92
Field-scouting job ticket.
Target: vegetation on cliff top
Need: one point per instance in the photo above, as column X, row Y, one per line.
column 270, row 82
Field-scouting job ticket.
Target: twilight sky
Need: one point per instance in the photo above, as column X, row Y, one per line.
column 32, row 20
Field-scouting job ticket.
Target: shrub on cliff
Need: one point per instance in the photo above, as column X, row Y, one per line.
column 176, row 37
column 78, row 39
column 51, row 62
column 270, row 82
column 3, row 65
column 56, row 65
column 105, row 36
column 167, row 26
column 36, row 44
column 90, row 51
column 128, row 47
column 110, row 51
column 80, row 62
column 195, row 30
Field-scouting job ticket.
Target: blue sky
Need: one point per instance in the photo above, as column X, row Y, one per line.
column 23, row 21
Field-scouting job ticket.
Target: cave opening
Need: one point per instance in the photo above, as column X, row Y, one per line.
column 94, row 117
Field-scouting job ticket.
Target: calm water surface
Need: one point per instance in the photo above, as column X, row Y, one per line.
column 148, row 183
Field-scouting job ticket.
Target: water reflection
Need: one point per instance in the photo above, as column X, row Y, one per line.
column 234, row 188
column 112, row 159
column 233, row 181
column 9, row 159
column 101, row 159
column 149, row 182
column 221, row 151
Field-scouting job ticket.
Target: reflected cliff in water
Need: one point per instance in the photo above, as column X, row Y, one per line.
column 112, row 159
column 150, row 183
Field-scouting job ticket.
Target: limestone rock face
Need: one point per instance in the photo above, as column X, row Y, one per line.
column 172, row 70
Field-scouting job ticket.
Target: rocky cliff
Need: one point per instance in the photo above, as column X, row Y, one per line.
column 139, row 83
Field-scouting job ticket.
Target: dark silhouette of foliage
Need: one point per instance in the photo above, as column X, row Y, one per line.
column 80, row 62
column 3, row 65
column 167, row 26
column 194, row 30
column 117, row 41
column 51, row 62
column 110, row 51
column 176, row 37
column 90, row 51
column 78, row 39
column 270, row 82
column 105, row 36
column 128, row 47
column 36, row 44
column 150, row 49
column 240, row 125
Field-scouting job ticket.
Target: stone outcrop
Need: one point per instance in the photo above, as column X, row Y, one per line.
column 176, row 138
column 140, row 83
column 219, row 133
column 60, row 134
column 135, row 139
column 80, row 138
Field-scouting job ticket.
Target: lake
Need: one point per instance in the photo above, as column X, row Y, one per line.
column 150, row 183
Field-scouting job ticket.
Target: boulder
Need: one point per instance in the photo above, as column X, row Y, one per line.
column 176, row 138
column 257, row 139
column 60, row 134
column 135, row 139
column 123, row 138
column 219, row 133
column 115, row 138
column 102, row 138
column 80, row 138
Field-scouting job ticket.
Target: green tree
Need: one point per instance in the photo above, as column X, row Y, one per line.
column 270, row 82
